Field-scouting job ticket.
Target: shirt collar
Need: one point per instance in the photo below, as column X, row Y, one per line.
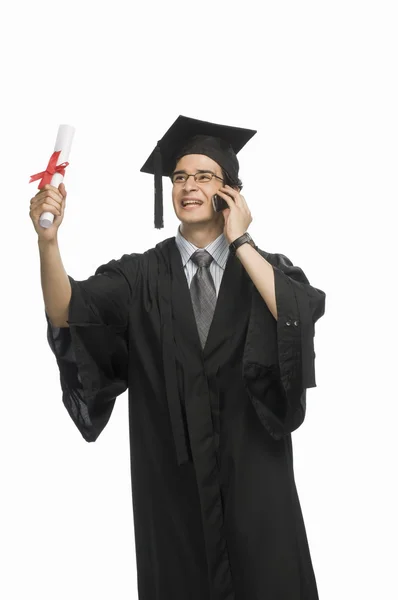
column 219, row 249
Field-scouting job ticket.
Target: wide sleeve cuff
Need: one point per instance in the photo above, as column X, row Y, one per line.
column 279, row 356
column 299, row 306
column 92, row 358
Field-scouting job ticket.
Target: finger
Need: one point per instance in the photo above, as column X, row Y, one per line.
column 244, row 203
column 230, row 201
column 239, row 199
column 51, row 201
column 62, row 190
column 57, row 197
column 229, row 190
column 48, row 188
column 234, row 193
column 52, row 209
column 46, row 200
column 47, row 206
column 48, row 193
column 54, row 194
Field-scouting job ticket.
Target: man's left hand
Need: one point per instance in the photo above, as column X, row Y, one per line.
column 237, row 217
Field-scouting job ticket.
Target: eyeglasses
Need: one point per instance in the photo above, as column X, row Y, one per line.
column 200, row 177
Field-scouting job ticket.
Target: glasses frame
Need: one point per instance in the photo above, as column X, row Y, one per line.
column 194, row 176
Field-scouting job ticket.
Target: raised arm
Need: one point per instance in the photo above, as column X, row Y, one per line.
column 55, row 283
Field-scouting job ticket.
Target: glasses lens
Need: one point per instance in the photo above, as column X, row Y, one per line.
column 180, row 178
column 203, row 177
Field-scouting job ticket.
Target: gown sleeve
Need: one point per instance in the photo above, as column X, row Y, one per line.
column 299, row 306
column 92, row 353
column 280, row 370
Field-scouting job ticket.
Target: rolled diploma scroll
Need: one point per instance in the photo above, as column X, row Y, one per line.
column 63, row 143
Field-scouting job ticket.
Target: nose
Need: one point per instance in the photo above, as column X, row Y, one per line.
column 190, row 184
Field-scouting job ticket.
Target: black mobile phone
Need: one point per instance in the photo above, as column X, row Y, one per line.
column 219, row 203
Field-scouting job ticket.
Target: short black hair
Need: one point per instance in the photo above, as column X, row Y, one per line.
column 231, row 182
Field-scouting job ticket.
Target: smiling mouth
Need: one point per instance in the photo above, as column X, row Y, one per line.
column 188, row 204
column 191, row 206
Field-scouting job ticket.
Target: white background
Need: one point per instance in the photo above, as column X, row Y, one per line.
column 318, row 80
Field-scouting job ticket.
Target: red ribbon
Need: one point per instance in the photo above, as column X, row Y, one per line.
column 51, row 169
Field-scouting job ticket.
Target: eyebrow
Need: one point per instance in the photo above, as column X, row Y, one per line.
column 198, row 171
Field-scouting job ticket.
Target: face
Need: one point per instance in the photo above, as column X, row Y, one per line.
column 203, row 213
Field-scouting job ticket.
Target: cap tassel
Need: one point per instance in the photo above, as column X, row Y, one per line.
column 158, row 188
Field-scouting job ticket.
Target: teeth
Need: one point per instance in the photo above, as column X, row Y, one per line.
column 189, row 203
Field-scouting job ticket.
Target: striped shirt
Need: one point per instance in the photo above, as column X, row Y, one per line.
column 219, row 249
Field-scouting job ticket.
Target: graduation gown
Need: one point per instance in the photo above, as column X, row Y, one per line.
column 216, row 510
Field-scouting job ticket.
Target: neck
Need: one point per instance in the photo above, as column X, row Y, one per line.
column 201, row 236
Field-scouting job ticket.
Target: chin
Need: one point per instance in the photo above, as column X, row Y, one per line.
column 208, row 217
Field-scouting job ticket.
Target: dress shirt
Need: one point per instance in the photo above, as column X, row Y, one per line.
column 219, row 249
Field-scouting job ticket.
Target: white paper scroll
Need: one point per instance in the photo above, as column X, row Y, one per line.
column 63, row 143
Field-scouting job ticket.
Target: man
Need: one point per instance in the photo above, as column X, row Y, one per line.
column 213, row 338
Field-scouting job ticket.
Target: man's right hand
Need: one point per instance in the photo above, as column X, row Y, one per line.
column 48, row 199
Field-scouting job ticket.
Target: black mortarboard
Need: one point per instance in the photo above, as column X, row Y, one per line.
column 192, row 136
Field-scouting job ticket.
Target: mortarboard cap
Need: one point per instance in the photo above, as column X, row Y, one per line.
column 192, row 136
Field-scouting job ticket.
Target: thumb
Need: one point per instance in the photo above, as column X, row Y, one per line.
column 62, row 189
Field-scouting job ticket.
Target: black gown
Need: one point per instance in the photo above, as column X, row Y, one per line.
column 215, row 505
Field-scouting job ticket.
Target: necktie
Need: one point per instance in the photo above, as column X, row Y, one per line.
column 203, row 293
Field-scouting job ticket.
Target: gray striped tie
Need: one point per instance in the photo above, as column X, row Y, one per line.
column 203, row 293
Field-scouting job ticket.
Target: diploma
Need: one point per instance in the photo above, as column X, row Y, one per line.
column 55, row 171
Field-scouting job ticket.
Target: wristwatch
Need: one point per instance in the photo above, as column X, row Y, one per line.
column 243, row 239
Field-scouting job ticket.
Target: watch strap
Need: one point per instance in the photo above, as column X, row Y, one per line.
column 243, row 239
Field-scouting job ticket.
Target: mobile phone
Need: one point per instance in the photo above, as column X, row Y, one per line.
column 219, row 203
